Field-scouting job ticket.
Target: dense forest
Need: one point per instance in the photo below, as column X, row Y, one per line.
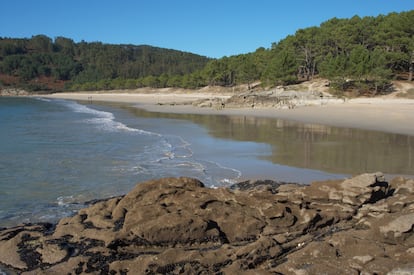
column 40, row 63
column 364, row 53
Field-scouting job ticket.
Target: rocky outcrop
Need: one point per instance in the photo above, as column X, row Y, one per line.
column 276, row 98
column 13, row 92
column 362, row 225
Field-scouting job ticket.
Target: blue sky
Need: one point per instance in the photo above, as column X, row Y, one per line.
column 213, row 28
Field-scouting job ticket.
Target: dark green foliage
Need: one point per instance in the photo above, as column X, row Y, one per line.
column 93, row 65
column 282, row 67
column 365, row 50
column 360, row 54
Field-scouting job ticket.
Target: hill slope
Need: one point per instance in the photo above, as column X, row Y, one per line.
column 362, row 55
column 42, row 63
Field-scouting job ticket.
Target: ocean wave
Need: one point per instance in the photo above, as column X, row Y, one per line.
column 79, row 160
column 213, row 174
column 177, row 147
column 67, row 200
column 227, row 176
column 174, row 156
column 42, row 99
column 104, row 120
column 133, row 168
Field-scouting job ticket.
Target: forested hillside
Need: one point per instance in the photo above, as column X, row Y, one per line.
column 364, row 53
column 357, row 53
column 40, row 63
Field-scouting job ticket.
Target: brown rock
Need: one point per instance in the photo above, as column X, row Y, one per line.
column 362, row 225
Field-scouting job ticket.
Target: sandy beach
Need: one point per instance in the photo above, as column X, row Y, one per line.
column 385, row 114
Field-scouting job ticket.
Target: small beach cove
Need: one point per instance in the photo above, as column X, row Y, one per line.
column 217, row 146
column 342, row 137
column 260, row 145
column 359, row 135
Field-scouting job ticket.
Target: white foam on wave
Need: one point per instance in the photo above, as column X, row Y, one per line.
column 228, row 181
column 177, row 147
column 213, row 174
column 42, row 99
column 133, row 168
column 175, row 156
column 105, row 120
column 65, row 200
column 172, row 153
column 229, row 175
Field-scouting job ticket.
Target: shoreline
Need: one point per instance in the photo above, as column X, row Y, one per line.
column 384, row 114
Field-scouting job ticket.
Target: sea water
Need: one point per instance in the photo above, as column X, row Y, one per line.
column 55, row 155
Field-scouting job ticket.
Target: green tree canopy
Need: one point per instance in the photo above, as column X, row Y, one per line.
column 367, row 51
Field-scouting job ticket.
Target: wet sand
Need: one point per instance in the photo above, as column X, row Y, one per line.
column 390, row 115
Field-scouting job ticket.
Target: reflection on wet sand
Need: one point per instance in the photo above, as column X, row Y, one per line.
column 319, row 147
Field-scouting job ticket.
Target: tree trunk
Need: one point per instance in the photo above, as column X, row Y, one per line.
column 313, row 69
column 411, row 69
column 310, row 64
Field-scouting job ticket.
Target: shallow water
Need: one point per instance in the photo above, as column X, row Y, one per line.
column 55, row 154
column 307, row 147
